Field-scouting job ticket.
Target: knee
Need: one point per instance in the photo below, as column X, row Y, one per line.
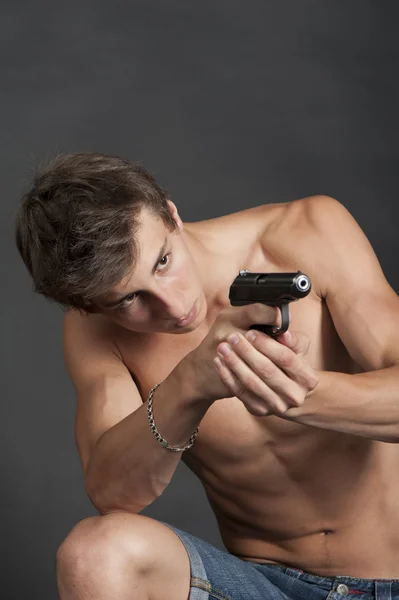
column 100, row 543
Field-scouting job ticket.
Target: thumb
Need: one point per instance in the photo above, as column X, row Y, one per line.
column 297, row 341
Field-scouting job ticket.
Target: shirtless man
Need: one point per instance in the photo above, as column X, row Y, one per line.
column 297, row 435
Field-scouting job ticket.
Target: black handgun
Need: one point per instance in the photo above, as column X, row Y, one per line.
column 273, row 289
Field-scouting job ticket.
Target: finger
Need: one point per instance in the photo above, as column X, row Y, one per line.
column 298, row 342
column 267, row 383
column 253, row 404
column 257, row 314
column 283, row 357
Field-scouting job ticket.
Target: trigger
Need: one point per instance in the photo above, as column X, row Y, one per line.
column 273, row 329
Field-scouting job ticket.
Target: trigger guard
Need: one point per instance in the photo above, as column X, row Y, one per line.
column 273, row 329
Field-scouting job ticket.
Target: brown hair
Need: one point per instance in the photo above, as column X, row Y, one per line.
column 75, row 229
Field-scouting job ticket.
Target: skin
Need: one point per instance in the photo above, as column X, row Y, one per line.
column 298, row 457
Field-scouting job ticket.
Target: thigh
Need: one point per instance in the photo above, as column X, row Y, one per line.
column 218, row 575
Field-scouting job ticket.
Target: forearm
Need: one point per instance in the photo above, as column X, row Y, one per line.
column 365, row 404
column 129, row 468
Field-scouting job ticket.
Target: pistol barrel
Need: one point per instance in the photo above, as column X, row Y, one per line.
column 273, row 289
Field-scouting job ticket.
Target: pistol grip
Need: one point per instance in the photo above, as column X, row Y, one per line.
column 273, row 330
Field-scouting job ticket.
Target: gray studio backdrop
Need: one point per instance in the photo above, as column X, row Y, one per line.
column 229, row 104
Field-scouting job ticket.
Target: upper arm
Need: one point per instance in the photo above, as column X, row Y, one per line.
column 106, row 392
column 362, row 304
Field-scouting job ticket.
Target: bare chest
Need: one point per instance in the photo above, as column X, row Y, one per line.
column 152, row 359
column 233, row 445
column 235, row 450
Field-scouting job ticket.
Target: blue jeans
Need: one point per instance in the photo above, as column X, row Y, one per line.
column 218, row 575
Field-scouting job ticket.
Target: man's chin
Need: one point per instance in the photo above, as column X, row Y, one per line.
column 181, row 330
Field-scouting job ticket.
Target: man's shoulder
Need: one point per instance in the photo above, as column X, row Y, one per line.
column 75, row 320
column 288, row 233
column 295, row 215
column 302, row 214
column 301, row 233
column 305, row 218
column 80, row 328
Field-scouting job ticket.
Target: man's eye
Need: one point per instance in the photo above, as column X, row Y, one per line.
column 127, row 301
column 162, row 261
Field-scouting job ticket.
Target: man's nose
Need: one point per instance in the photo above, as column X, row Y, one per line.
column 172, row 306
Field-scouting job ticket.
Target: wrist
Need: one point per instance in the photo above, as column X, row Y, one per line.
column 183, row 382
column 312, row 401
column 164, row 443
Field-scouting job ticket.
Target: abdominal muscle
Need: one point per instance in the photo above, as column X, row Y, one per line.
column 319, row 501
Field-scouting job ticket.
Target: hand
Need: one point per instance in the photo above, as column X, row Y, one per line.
column 268, row 375
column 197, row 368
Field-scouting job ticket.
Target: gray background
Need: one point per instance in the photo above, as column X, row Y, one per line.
column 230, row 104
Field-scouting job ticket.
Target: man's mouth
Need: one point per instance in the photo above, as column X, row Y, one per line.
column 188, row 319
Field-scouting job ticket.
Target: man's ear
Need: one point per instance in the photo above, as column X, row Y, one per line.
column 175, row 214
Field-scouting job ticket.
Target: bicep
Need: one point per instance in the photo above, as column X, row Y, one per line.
column 362, row 304
column 105, row 390
column 101, row 404
column 366, row 317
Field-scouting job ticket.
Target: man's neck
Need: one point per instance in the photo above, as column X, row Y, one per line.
column 215, row 263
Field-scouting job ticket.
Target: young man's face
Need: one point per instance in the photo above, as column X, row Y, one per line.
column 164, row 286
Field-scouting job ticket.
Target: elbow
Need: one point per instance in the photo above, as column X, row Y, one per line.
column 119, row 495
column 101, row 493
column 393, row 439
column 99, row 496
column 390, row 436
column 107, row 500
